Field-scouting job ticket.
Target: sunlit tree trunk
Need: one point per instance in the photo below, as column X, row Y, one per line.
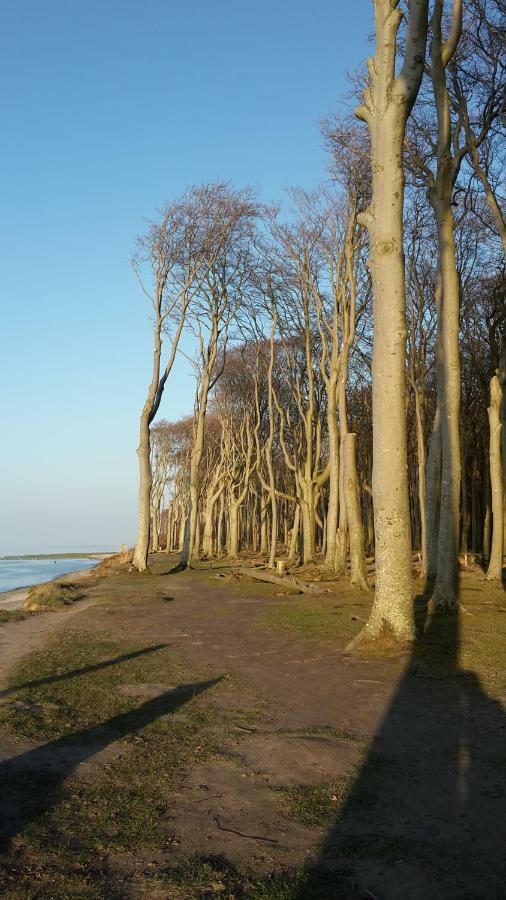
column 387, row 103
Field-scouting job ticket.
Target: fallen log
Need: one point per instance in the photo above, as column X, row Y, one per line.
column 294, row 584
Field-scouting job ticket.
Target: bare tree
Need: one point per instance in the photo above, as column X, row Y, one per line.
column 171, row 256
column 229, row 218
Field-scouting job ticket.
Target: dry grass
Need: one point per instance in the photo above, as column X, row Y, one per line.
column 53, row 595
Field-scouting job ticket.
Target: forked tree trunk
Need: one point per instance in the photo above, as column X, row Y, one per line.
column 494, row 572
column 387, row 104
column 352, row 500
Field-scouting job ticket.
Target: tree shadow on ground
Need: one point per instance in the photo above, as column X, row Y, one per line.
column 85, row 670
column 32, row 783
column 426, row 816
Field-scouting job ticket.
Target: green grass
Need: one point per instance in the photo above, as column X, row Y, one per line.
column 318, row 618
column 69, row 694
column 73, row 683
column 316, row 805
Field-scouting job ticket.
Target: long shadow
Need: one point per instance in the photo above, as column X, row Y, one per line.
column 32, row 783
column 426, row 815
column 85, row 670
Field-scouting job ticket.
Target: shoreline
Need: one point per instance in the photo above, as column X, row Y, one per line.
column 35, row 557
column 16, row 598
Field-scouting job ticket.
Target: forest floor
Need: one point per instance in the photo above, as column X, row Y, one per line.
column 188, row 735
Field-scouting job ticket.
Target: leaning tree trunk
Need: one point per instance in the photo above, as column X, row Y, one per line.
column 387, row 103
column 352, row 500
column 494, row 572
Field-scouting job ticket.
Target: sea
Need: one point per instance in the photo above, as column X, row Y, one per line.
column 20, row 573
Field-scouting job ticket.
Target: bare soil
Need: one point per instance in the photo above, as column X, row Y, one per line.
column 297, row 770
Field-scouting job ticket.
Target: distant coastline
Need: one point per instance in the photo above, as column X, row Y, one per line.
column 97, row 555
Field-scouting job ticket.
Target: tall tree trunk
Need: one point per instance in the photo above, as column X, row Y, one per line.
column 140, row 558
column 464, row 535
column 168, row 532
column 333, row 497
column 446, row 586
column 263, row 525
column 487, row 519
column 494, row 572
column 219, row 527
column 294, row 536
column 233, row 530
column 421, row 462
column 307, row 504
column 387, row 104
column 182, row 530
column 155, row 537
column 352, row 500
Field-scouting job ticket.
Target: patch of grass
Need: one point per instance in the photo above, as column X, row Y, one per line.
column 70, row 693
column 302, row 884
column 12, row 615
column 75, row 683
column 53, row 595
column 318, row 618
column 316, row 805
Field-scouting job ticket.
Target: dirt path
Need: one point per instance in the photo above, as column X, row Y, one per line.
column 378, row 778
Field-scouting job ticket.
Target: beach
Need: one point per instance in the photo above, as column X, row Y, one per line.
column 16, row 598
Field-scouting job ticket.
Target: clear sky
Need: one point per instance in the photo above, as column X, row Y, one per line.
column 109, row 108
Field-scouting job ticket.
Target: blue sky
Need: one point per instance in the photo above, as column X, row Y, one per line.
column 109, row 109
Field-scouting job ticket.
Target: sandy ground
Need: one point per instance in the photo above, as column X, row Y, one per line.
column 425, row 816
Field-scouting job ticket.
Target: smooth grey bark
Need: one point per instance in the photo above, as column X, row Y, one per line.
column 445, row 594
column 388, row 100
